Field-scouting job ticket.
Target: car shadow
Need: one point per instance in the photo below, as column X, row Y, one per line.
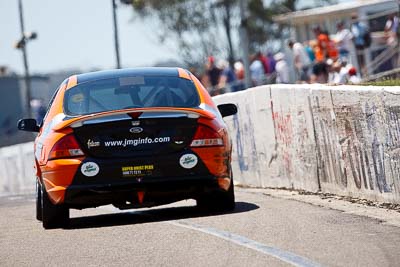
column 150, row 216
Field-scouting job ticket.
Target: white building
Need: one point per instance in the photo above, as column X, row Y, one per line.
column 372, row 13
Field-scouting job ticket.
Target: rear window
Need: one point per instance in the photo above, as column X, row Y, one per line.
column 130, row 92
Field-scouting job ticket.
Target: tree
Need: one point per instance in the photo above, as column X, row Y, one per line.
column 194, row 25
column 197, row 26
column 259, row 27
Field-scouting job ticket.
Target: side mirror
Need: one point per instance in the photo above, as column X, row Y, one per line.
column 29, row 125
column 227, row 109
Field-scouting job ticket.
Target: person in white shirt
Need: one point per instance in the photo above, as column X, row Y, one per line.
column 353, row 78
column 344, row 40
column 301, row 60
column 256, row 71
column 340, row 73
column 281, row 68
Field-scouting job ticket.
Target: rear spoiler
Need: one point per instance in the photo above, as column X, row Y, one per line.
column 78, row 121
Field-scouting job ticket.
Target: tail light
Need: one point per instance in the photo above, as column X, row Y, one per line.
column 205, row 136
column 66, row 147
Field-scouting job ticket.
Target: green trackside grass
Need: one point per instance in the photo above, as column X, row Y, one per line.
column 388, row 82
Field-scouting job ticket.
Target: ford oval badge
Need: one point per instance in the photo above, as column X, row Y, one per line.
column 136, row 130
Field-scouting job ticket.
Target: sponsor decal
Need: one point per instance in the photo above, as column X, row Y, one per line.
column 136, row 142
column 136, row 129
column 91, row 143
column 140, row 170
column 90, row 169
column 188, row 161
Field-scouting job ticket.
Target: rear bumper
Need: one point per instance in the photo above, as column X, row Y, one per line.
column 67, row 181
column 127, row 195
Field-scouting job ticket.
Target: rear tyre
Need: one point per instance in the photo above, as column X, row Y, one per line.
column 38, row 200
column 218, row 201
column 53, row 216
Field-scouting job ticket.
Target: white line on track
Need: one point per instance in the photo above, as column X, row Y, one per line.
column 280, row 254
column 12, row 198
column 277, row 253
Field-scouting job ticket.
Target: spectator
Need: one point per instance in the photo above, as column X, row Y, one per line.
column 227, row 80
column 332, row 51
column 319, row 73
column 344, row 40
column 339, row 73
column 321, row 49
column 331, row 73
column 309, row 47
column 391, row 28
column 239, row 72
column 359, row 31
column 271, row 62
column 281, row 68
column 326, row 48
column 301, row 60
column 345, row 68
column 213, row 73
column 353, row 78
column 264, row 61
column 256, row 71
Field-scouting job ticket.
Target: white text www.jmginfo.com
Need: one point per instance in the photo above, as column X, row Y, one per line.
column 136, row 142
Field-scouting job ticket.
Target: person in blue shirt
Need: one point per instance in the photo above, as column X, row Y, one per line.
column 227, row 80
column 271, row 62
column 359, row 31
column 308, row 46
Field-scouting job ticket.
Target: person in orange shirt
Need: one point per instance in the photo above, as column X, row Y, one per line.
column 326, row 48
column 322, row 44
column 332, row 50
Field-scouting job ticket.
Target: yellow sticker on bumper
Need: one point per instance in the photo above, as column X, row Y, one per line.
column 136, row 171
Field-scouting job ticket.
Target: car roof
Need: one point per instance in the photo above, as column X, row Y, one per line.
column 116, row 73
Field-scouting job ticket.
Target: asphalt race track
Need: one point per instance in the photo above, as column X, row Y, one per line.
column 264, row 230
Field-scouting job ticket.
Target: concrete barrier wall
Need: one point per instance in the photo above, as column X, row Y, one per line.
column 343, row 139
column 17, row 169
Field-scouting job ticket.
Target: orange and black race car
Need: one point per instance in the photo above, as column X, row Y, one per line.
column 131, row 138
